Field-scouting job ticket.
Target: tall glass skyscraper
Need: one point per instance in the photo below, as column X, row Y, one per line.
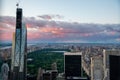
column 19, row 48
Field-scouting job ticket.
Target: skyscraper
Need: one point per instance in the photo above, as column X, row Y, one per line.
column 111, row 60
column 20, row 48
column 72, row 65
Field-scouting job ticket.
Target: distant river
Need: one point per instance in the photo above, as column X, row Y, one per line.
column 6, row 47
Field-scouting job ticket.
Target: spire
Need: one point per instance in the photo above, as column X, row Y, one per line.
column 17, row 5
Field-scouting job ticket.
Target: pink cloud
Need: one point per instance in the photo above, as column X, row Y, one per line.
column 112, row 32
column 38, row 29
column 6, row 36
column 86, row 34
column 33, row 35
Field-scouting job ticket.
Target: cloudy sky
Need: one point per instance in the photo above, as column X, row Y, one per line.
column 77, row 21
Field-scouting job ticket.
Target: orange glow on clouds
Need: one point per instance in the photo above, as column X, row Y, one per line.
column 6, row 36
column 53, row 30
column 33, row 35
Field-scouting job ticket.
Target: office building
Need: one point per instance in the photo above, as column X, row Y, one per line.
column 19, row 53
column 72, row 65
column 111, row 60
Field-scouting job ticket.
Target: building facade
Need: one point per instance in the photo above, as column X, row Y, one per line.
column 72, row 65
column 111, row 61
column 97, row 68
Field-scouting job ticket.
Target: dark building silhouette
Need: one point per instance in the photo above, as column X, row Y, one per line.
column 72, row 65
column 31, row 77
column 114, row 67
column 54, row 74
column 47, row 76
column 111, row 59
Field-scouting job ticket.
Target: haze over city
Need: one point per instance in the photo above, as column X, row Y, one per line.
column 63, row 21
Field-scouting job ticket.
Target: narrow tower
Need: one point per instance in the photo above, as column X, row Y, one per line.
column 20, row 48
column 17, row 52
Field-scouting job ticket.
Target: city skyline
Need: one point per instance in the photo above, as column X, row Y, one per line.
column 78, row 21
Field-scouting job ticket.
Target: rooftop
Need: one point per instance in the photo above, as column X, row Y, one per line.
column 73, row 53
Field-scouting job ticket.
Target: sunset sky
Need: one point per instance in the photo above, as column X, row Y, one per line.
column 76, row 21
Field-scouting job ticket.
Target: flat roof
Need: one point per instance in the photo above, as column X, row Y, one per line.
column 73, row 53
column 111, row 52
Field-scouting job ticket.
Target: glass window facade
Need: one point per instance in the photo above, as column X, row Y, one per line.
column 73, row 65
column 114, row 67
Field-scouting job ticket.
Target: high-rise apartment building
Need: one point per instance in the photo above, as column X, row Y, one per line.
column 97, row 68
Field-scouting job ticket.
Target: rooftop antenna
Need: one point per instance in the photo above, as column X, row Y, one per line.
column 17, row 4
